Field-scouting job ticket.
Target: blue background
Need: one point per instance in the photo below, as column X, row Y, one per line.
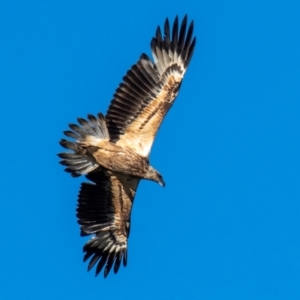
column 227, row 224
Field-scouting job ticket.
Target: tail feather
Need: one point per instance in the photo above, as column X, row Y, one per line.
column 71, row 134
column 88, row 133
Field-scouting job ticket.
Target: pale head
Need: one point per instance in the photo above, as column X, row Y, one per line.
column 154, row 175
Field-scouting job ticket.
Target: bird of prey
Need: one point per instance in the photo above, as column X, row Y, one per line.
column 112, row 152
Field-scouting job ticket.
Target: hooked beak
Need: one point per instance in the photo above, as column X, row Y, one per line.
column 162, row 183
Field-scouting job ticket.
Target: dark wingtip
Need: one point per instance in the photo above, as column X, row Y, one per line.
column 75, row 175
column 158, row 34
column 60, row 155
column 125, row 258
column 101, row 116
column 62, row 142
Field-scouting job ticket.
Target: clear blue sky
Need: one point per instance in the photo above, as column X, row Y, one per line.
column 226, row 226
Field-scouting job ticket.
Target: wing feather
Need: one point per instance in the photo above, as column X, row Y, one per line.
column 104, row 208
column 149, row 89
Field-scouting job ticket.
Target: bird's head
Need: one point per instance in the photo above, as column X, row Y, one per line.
column 155, row 176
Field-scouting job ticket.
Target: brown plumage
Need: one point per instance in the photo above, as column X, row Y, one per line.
column 112, row 151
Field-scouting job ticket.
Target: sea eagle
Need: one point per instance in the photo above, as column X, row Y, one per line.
column 112, row 151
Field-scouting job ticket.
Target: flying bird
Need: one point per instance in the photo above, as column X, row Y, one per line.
column 112, row 152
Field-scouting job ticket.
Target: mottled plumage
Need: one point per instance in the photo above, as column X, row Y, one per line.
column 112, row 151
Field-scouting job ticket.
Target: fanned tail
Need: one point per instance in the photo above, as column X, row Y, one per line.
column 87, row 134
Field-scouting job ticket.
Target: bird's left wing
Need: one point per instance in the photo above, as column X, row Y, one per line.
column 149, row 89
column 104, row 209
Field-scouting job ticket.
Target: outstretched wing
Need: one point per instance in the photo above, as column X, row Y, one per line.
column 149, row 89
column 104, row 208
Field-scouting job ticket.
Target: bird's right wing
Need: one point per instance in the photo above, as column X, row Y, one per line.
column 149, row 89
column 104, row 208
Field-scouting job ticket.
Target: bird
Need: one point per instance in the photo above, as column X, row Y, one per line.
column 112, row 151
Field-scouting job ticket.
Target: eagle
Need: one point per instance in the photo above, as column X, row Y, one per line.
column 112, row 151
